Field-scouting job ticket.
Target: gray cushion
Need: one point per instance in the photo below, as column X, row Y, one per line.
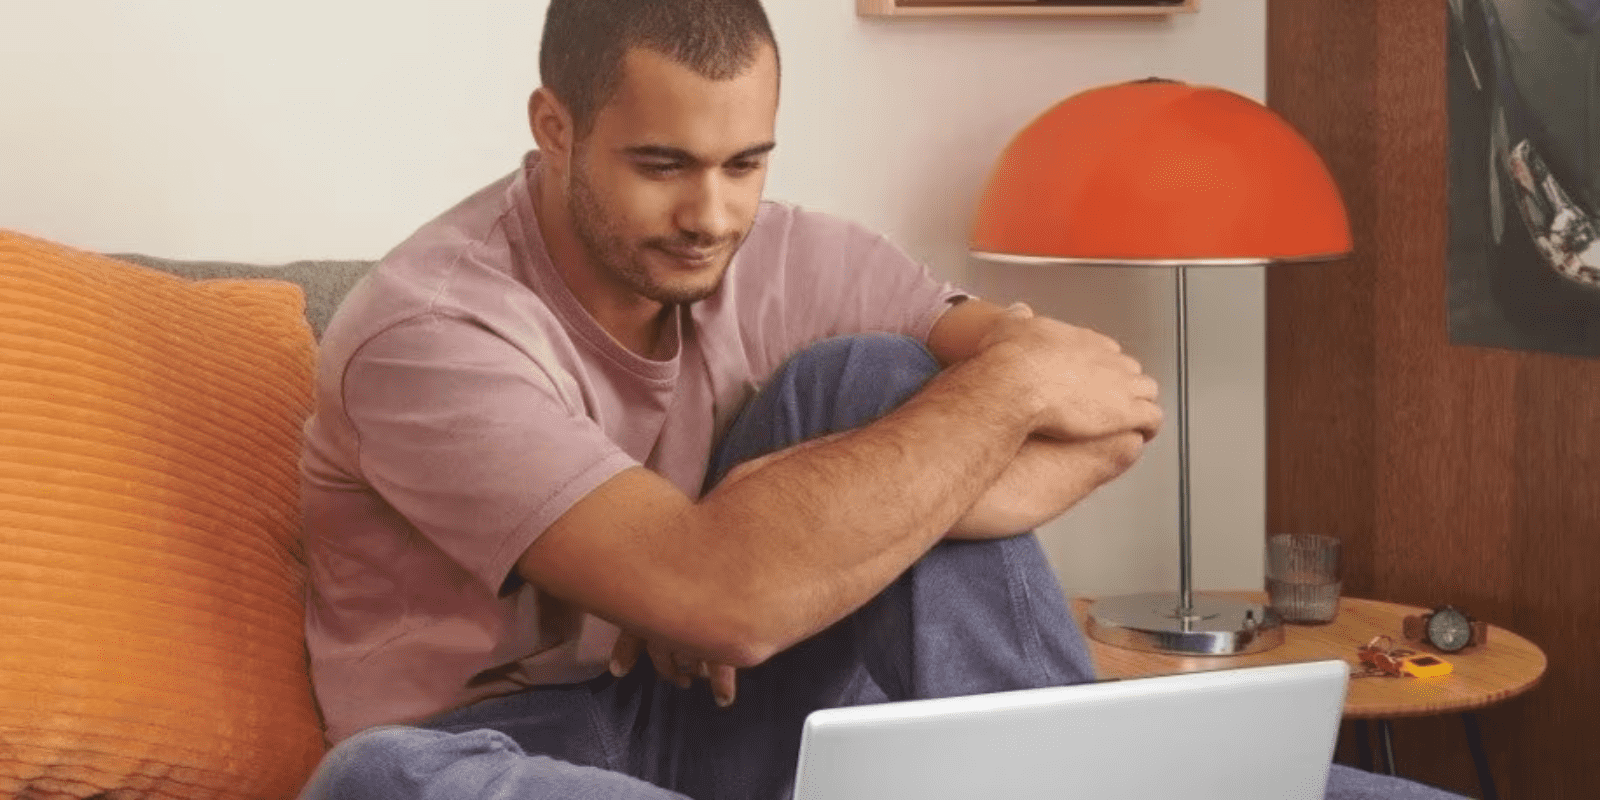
column 324, row 282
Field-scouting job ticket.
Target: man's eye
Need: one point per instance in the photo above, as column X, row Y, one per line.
column 744, row 167
column 659, row 167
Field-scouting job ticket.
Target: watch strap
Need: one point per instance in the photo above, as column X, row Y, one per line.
column 1415, row 626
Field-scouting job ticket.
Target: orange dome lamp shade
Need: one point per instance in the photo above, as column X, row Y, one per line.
column 1160, row 172
column 1163, row 173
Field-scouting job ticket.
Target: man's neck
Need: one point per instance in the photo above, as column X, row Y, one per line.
column 637, row 323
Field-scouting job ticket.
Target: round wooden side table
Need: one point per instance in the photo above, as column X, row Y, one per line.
column 1505, row 667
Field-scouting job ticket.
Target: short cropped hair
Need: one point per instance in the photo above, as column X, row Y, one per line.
column 580, row 56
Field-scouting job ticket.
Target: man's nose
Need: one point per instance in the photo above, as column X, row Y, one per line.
column 707, row 211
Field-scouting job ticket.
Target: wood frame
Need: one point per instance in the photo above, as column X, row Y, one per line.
column 1019, row 8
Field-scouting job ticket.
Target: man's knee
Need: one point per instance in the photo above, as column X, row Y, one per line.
column 877, row 371
column 833, row 385
column 397, row 761
column 903, row 357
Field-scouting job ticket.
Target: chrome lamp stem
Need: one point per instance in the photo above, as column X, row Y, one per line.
column 1185, row 562
column 1184, row 624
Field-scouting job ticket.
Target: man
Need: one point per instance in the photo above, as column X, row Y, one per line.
column 600, row 505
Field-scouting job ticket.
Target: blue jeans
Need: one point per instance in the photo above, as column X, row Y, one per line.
column 968, row 618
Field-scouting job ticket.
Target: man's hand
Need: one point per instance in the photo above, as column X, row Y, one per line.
column 1090, row 388
column 677, row 670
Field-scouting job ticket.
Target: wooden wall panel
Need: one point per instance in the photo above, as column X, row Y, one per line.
column 1320, row 327
column 1453, row 473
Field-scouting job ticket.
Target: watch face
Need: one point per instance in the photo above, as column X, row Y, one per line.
column 1449, row 630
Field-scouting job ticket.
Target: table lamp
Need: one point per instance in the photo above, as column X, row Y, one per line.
column 1161, row 173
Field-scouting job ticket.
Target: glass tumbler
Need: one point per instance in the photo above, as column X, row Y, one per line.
column 1303, row 577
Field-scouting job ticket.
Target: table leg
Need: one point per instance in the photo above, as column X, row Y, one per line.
column 1480, row 759
column 1386, row 741
column 1363, row 746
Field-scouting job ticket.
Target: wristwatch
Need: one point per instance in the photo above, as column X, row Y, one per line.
column 1447, row 628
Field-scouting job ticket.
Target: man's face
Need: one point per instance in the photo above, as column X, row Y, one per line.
column 668, row 182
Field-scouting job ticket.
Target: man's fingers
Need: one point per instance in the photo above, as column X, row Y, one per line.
column 1151, row 424
column 686, row 668
column 625, row 653
column 1146, row 388
column 723, row 682
column 678, row 670
column 670, row 668
column 1131, row 365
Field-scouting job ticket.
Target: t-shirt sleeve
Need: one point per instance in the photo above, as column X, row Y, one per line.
column 471, row 440
column 841, row 278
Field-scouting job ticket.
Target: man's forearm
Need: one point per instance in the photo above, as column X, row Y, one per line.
column 840, row 519
column 1047, row 477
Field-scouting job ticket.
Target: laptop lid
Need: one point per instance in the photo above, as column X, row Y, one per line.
column 1243, row 734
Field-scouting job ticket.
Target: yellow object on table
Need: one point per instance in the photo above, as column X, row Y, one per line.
column 1424, row 666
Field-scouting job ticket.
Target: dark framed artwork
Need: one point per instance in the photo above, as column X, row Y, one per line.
column 1022, row 8
column 1524, row 172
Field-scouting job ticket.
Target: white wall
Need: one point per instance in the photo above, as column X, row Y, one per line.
column 303, row 128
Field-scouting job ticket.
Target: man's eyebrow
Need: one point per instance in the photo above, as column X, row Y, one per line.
column 751, row 152
column 678, row 154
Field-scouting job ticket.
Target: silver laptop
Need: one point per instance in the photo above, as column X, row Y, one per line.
column 1264, row 733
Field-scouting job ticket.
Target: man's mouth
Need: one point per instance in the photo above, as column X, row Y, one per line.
column 692, row 257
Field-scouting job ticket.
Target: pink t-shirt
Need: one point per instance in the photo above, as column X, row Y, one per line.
column 465, row 400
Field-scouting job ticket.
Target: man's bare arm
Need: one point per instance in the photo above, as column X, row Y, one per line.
column 798, row 543
column 1048, row 475
column 1046, row 479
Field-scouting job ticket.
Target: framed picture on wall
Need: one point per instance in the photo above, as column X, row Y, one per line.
column 1524, row 172
column 1040, row 8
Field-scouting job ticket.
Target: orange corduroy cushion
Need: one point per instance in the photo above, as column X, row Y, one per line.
column 151, row 611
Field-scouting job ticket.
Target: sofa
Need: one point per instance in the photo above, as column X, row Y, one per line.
column 151, row 573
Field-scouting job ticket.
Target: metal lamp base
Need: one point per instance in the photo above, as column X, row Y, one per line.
column 1215, row 626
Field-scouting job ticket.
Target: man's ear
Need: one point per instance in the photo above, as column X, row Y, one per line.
column 551, row 125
